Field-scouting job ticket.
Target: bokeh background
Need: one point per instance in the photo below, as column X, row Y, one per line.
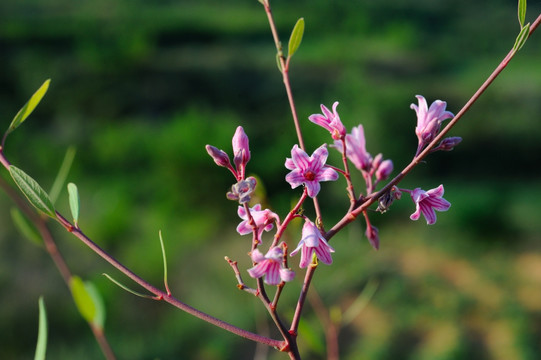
column 140, row 87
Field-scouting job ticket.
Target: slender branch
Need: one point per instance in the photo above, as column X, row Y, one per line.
column 51, row 248
column 284, row 67
column 370, row 199
column 282, row 227
column 302, row 298
column 161, row 294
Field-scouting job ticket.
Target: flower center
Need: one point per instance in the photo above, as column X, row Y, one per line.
column 309, row 175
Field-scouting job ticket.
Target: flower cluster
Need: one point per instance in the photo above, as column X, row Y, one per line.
column 310, row 171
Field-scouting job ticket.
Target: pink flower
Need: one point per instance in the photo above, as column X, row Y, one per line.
column 313, row 242
column 427, row 202
column 356, row 149
column 309, row 170
column 271, row 266
column 429, row 119
column 263, row 219
column 330, row 121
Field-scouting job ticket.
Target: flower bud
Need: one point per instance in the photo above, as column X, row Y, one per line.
column 449, row 143
column 384, row 170
column 372, row 233
column 219, row 156
column 241, row 148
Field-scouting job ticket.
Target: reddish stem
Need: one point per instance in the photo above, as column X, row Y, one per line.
column 371, row 198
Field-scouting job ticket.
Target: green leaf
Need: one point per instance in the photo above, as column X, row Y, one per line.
column 41, row 346
column 164, row 264
column 99, row 316
column 33, row 192
column 62, row 174
column 27, row 109
column 27, row 229
column 83, row 300
column 522, row 37
column 124, row 287
column 521, row 12
column 74, row 202
column 296, row 37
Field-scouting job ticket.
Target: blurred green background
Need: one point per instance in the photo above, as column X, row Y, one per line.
column 139, row 87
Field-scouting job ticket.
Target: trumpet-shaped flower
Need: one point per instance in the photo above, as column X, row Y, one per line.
column 271, row 266
column 263, row 219
column 330, row 121
column 356, row 149
column 309, row 170
column 427, row 202
column 429, row 119
column 313, row 242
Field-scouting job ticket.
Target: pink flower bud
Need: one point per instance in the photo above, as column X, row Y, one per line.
column 241, row 149
column 372, row 233
column 219, row 156
column 384, row 170
column 449, row 143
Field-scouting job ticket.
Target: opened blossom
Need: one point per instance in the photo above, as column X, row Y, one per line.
column 312, row 242
column 263, row 219
column 309, row 170
column 427, row 202
column 271, row 266
column 429, row 119
column 330, row 121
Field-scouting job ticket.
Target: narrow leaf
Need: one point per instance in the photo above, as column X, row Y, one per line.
column 521, row 12
column 82, row 299
column 41, row 346
column 74, row 202
column 27, row 229
column 62, row 175
column 296, row 37
column 522, row 37
column 97, row 300
column 164, row 265
column 33, row 192
column 27, row 109
column 124, row 287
